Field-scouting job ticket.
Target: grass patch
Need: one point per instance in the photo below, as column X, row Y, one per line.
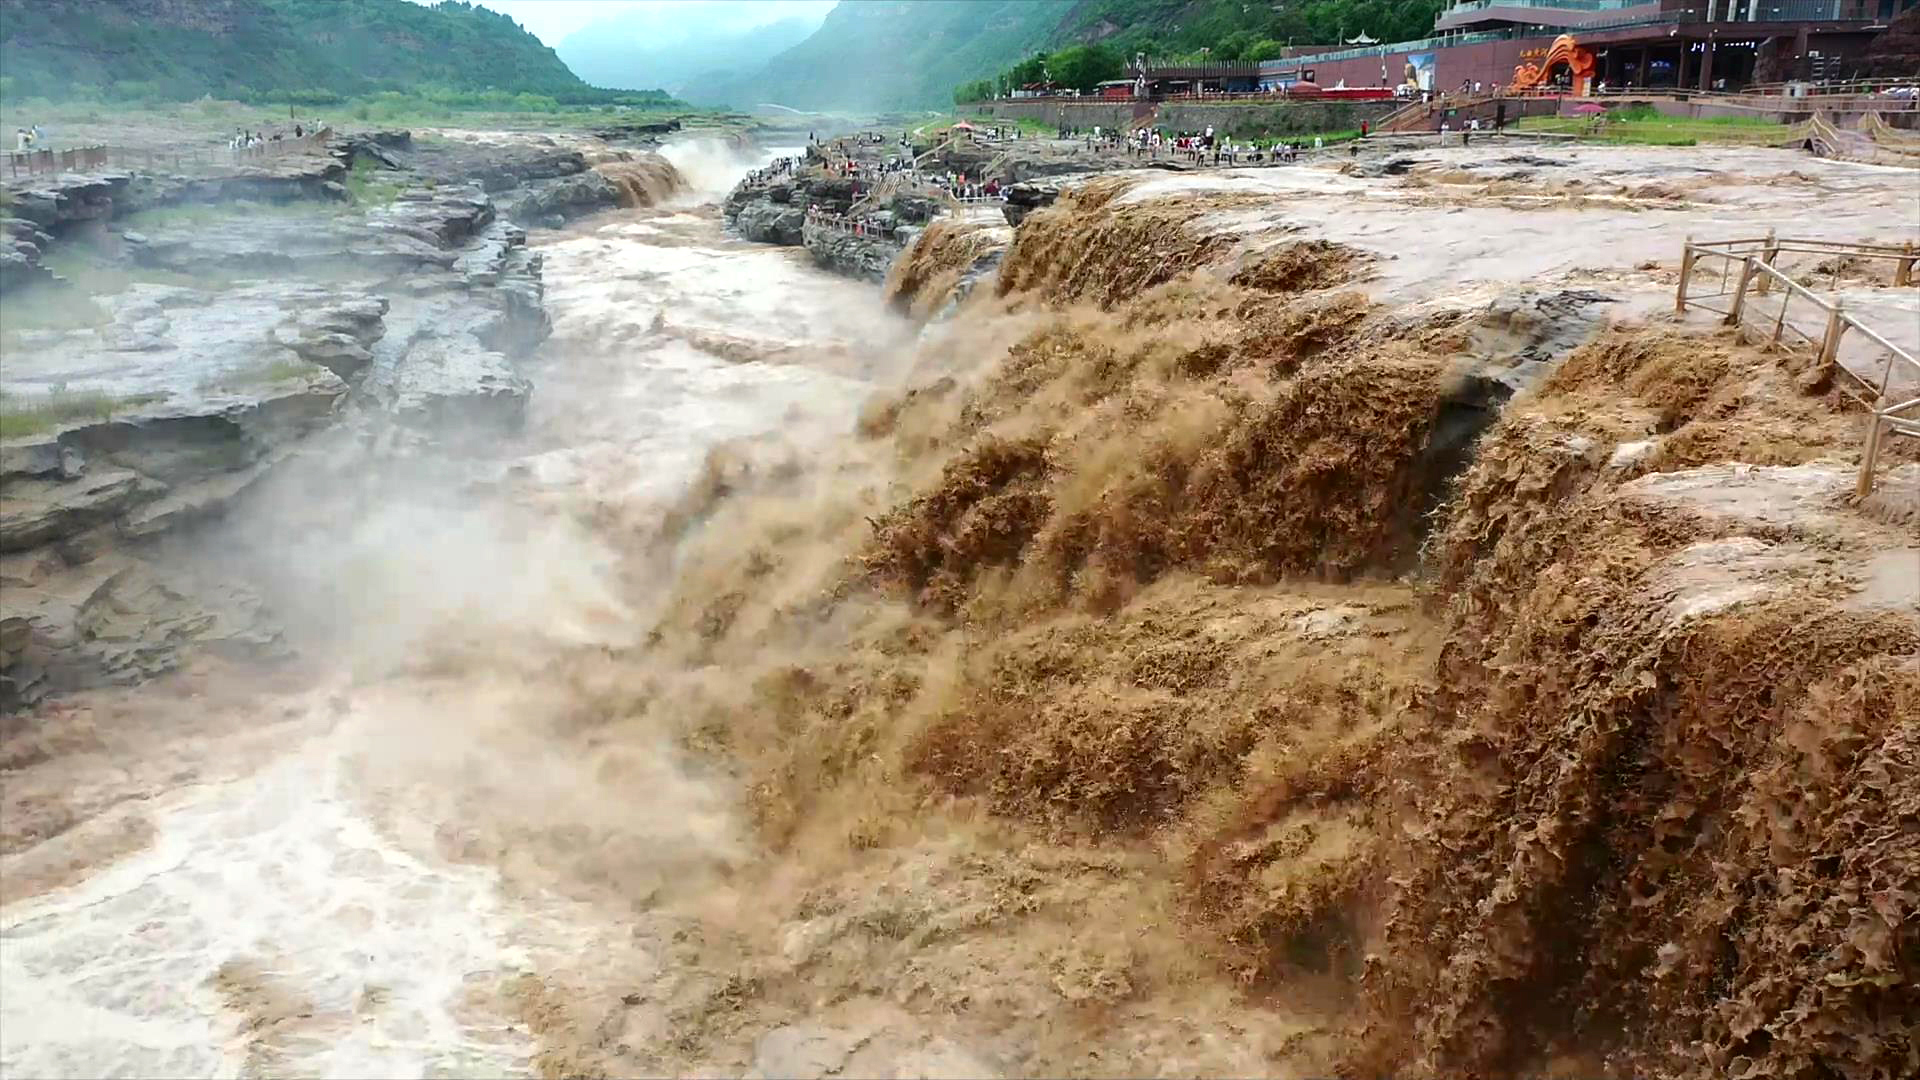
column 1642, row 125
column 254, row 376
column 40, row 307
column 372, row 185
column 194, row 214
column 1647, row 114
column 1026, row 124
column 35, row 414
column 88, row 277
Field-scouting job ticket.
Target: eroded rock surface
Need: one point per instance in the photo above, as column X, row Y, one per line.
column 767, row 222
column 554, row 202
column 182, row 399
column 863, row 257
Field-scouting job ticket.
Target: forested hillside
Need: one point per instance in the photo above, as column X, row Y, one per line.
column 882, row 54
column 894, row 54
column 682, row 50
column 1096, row 38
column 294, row 50
column 1237, row 30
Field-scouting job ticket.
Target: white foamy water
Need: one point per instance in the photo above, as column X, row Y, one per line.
column 272, row 927
column 364, row 949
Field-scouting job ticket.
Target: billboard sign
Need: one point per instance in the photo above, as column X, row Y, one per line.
column 1418, row 72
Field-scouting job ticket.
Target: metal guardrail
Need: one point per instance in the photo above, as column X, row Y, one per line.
column 1834, row 86
column 1463, row 6
column 1874, row 143
column 1748, row 272
column 1759, row 102
column 823, row 222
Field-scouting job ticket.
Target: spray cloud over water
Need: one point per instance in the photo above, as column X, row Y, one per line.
column 712, row 166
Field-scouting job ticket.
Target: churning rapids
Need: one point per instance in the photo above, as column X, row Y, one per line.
column 1294, row 623
column 286, row 906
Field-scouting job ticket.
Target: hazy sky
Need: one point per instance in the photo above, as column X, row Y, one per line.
column 552, row 20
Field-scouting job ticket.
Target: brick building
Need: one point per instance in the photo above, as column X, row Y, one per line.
column 1673, row 44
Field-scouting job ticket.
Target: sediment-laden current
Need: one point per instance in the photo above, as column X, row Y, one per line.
column 1306, row 621
column 282, row 911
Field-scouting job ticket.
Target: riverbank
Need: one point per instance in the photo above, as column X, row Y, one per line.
column 205, row 333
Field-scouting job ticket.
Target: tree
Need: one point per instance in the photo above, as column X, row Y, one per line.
column 978, row 90
column 1236, row 46
column 1031, row 70
column 1264, row 49
column 1084, row 66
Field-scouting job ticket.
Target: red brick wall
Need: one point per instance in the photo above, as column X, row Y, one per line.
column 1489, row 62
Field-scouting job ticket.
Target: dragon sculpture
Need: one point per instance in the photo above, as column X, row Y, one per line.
column 1532, row 75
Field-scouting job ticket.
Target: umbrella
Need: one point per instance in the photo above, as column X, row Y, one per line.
column 963, row 126
column 1589, row 109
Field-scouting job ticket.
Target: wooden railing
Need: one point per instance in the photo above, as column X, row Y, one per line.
column 178, row 158
column 74, row 159
column 1890, row 391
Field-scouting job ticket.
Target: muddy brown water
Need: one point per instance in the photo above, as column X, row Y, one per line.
column 394, row 872
column 287, row 913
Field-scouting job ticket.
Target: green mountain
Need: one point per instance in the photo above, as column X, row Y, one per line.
column 1097, row 39
column 885, row 54
column 882, row 54
column 680, row 49
column 1236, row 29
column 317, row 50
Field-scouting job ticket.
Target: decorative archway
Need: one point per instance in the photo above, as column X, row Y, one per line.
column 1536, row 69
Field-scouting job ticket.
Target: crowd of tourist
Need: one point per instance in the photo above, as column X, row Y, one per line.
column 1203, row 147
column 850, row 157
column 251, row 140
column 961, row 186
column 776, row 170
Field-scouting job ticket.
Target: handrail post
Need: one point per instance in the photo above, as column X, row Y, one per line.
column 1903, row 270
column 1686, row 274
column 1869, row 454
column 1830, row 344
column 1767, row 255
column 1740, row 293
